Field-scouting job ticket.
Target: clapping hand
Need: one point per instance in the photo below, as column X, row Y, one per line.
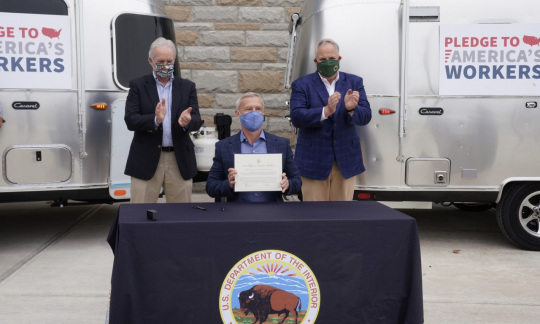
column 351, row 99
column 185, row 117
column 161, row 111
column 333, row 101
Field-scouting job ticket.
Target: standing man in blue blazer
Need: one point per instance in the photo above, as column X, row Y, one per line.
column 325, row 107
column 251, row 139
column 161, row 110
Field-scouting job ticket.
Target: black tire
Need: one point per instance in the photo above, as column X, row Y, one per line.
column 474, row 207
column 518, row 215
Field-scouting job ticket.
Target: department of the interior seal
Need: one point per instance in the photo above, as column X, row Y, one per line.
column 270, row 284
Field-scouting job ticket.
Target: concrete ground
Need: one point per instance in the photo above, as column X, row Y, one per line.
column 55, row 266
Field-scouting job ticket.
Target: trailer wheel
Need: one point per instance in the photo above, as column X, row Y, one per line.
column 474, row 207
column 518, row 215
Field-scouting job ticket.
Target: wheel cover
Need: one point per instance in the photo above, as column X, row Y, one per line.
column 529, row 212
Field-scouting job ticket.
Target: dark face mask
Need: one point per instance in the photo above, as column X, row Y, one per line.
column 328, row 68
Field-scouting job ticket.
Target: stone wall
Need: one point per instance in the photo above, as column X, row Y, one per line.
column 229, row 47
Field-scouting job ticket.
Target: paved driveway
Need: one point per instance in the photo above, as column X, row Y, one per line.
column 55, row 266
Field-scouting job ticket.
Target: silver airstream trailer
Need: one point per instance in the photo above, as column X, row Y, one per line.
column 454, row 90
column 65, row 67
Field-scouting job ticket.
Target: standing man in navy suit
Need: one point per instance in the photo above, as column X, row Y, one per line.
column 325, row 107
column 161, row 110
column 251, row 139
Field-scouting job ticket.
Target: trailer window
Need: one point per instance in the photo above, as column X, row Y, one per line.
column 41, row 7
column 133, row 35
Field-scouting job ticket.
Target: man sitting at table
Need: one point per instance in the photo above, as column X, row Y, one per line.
column 251, row 139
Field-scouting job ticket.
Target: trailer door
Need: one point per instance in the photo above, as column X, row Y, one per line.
column 369, row 34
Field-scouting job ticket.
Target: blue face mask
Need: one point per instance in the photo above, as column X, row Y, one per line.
column 252, row 120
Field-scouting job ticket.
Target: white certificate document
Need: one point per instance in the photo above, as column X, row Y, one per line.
column 257, row 172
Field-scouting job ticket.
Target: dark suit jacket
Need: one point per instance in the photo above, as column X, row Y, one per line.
column 145, row 148
column 319, row 143
column 217, row 184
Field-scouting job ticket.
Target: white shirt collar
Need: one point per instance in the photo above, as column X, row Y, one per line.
column 325, row 81
column 331, row 88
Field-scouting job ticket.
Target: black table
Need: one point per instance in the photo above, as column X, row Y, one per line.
column 365, row 258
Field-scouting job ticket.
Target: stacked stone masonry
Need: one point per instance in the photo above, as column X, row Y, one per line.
column 229, row 47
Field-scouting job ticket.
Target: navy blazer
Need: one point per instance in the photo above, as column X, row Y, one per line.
column 217, row 184
column 321, row 142
column 145, row 148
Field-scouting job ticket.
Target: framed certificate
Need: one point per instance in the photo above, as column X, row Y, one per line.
column 258, row 172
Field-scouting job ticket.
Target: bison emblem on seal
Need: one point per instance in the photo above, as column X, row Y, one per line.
column 262, row 300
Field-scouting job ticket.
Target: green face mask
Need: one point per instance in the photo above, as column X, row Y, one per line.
column 328, row 67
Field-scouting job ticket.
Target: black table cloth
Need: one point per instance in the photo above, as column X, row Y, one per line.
column 364, row 255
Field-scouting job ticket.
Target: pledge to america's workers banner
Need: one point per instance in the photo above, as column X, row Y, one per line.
column 490, row 59
column 35, row 51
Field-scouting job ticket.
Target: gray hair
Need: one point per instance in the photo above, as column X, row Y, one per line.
column 161, row 42
column 248, row 95
column 325, row 41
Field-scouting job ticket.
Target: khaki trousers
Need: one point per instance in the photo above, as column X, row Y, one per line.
column 167, row 176
column 335, row 188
